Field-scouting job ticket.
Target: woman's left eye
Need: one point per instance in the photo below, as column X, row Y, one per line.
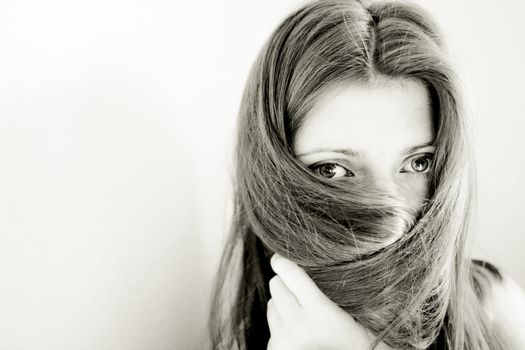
column 419, row 164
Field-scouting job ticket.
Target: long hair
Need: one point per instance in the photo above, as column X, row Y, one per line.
column 407, row 292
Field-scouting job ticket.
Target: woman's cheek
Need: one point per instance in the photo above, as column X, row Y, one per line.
column 415, row 191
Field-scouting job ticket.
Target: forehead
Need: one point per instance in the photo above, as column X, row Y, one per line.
column 384, row 116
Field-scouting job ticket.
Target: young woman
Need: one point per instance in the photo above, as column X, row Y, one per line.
column 354, row 172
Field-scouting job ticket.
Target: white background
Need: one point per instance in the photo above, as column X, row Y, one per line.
column 116, row 129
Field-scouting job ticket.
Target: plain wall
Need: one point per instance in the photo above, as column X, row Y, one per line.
column 116, row 132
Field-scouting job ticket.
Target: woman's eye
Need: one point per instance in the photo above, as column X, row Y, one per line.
column 331, row 170
column 419, row 164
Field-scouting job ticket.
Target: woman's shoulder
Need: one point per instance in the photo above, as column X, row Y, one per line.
column 493, row 286
column 502, row 298
column 498, row 292
column 485, row 276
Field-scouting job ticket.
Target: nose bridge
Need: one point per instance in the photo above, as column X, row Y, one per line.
column 398, row 221
column 384, row 181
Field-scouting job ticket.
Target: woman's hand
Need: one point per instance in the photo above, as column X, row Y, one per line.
column 301, row 317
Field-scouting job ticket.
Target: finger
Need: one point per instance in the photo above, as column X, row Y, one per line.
column 297, row 280
column 285, row 301
column 270, row 345
column 273, row 344
column 274, row 319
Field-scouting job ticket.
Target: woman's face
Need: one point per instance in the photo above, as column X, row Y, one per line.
column 378, row 136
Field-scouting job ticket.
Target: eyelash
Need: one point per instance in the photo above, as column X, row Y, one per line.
column 428, row 156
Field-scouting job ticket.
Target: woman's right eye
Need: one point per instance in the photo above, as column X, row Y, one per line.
column 331, row 170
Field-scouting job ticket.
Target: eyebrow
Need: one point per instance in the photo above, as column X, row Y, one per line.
column 361, row 154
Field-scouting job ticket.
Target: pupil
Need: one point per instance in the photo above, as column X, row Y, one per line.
column 420, row 164
column 328, row 170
